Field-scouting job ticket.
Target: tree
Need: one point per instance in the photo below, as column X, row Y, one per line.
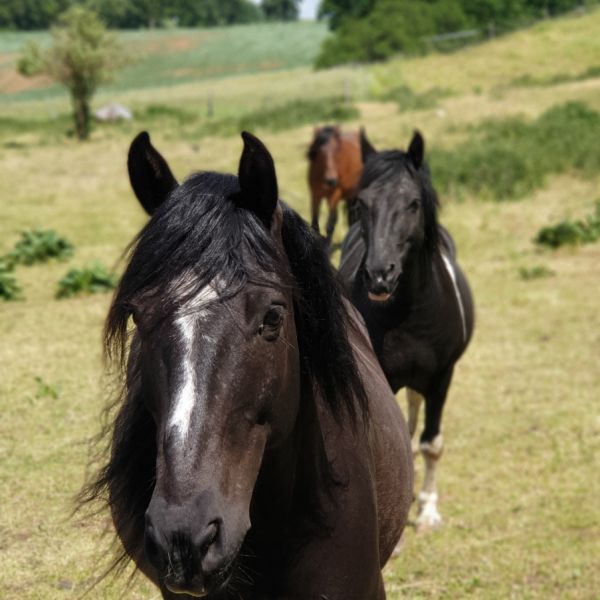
column 335, row 11
column 83, row 56
column 281, row 10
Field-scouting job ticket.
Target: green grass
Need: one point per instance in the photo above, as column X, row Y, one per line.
column 535, row 272
column 518, row 480
column 509, row 158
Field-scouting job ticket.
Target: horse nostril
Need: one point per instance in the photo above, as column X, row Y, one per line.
column 390, row 268
column 209, row 537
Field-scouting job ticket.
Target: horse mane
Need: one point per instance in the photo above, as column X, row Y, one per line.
column 201, row 229
column 322, row 136
column 390, row 164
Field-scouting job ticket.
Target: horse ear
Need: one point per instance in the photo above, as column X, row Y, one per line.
column 416, row 149
column 149, row 173
column 258, row 181
column 366, row 148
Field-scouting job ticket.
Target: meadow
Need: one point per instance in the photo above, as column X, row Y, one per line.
column 519, row 483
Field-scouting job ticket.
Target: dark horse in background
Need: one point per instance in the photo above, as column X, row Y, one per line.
column 335, row 165
column 400, row 268
column 257, row 450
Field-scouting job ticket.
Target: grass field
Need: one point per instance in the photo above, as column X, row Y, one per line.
column 519, row 485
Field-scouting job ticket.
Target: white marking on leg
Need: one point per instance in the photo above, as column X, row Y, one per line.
column 429, row 516
column 461, row 308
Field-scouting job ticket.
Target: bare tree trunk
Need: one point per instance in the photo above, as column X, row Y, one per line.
column 81, row 115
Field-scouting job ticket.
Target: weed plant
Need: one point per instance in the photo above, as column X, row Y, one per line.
column 92, row 279
column 9, row 288
column 582, row 231
column 37, row 246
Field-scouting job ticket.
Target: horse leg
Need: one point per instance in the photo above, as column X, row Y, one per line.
column 333, row 214
column 414, row 406
column 431, row 447
column 315, row 207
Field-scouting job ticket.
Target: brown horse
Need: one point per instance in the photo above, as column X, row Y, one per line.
column 333, row 173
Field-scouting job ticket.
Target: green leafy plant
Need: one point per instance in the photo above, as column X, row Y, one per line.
column 92, row 279
column 9, row 288
column 582, row 231
column 535, row 272
column 38, row 245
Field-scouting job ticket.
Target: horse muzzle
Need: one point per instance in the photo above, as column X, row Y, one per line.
column 381, row 283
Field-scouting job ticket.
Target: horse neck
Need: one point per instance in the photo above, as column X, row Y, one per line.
column 416, row 279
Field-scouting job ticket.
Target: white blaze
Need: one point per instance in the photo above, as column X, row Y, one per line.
column 187, row 397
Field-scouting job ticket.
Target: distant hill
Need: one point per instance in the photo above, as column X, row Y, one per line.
column 170, row 57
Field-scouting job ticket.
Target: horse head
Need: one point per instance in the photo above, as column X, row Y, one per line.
column 398, row 213
column 208, row 289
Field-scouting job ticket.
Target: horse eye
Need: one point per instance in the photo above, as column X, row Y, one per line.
column 414, row 206
column 272, row 322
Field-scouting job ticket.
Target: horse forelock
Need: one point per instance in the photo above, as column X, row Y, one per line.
column 322, row 137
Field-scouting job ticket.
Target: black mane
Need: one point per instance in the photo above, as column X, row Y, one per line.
column 321, row 138
column 390, row 164
column 201, row 229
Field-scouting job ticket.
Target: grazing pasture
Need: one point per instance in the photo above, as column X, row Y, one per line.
column 519, row 485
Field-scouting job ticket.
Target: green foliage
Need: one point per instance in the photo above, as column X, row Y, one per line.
column 535, row 272
column 336, row 11
column 280, row 10
column 92, row 279
column 583, row 231
column 83, row 56
column 509, row 158
column 372, row 30
column 37, row 245
column 391, row 27
column 129, row 14
column 9, row 288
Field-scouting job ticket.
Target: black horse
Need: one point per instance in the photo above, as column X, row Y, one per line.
column 257, row 451
column 400, row 268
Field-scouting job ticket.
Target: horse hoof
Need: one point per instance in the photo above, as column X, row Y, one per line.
column 429, row 518
column 428, row 525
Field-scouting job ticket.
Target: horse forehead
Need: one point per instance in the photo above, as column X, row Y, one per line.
column 398, row 187
column 198, row 305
